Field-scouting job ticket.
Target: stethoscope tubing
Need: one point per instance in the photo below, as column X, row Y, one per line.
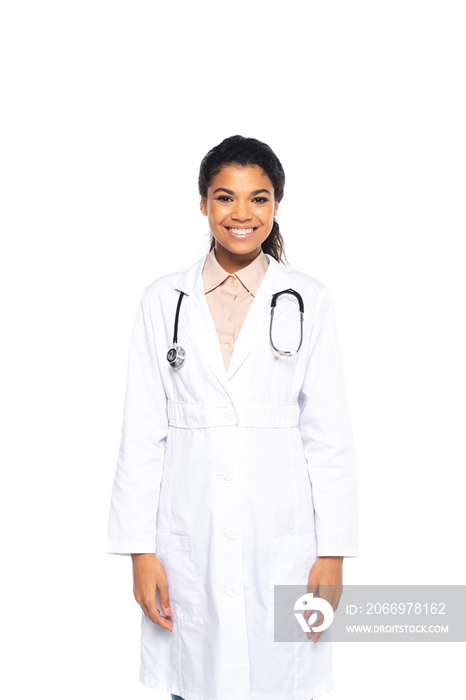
column 177, row 355
column 287, row 353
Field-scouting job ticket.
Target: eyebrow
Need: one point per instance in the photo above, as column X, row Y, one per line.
column 223, row 189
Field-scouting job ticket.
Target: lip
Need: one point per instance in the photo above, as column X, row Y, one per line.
column 241, row 237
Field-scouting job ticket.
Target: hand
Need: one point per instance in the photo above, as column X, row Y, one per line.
column 148, row 576
column 326, row 575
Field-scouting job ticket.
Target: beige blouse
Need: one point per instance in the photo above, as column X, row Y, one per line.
column 229, row 297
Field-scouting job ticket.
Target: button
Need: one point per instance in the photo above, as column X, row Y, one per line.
column 231, row 533
column 230, row 318
column 232, row 591
column 227, row 345
column 228, row 474
column 230, row 413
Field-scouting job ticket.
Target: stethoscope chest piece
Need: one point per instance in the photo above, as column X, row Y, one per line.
column 176, row 356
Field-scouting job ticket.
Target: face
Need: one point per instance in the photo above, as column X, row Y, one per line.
column 240, row 208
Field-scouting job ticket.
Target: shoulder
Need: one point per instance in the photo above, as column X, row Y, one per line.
column 306, row 284
column 317, row 300
column 167, row 284
column 163, row 283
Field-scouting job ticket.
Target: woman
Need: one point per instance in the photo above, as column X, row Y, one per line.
column 236, row 469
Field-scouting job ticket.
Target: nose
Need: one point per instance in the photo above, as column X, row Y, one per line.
column 242, row 211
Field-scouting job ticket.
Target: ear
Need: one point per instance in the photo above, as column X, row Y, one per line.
column 203, row 206
column 276, row 209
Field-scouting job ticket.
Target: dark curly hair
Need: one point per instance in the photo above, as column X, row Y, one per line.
column 240, row 150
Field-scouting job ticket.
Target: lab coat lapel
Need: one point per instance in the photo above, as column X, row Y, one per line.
column 257, row 321
column 196, row 320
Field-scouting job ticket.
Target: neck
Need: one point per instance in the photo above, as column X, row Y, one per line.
column 232, row 262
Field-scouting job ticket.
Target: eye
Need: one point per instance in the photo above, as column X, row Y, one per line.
column 260, row 200
column 223, row 198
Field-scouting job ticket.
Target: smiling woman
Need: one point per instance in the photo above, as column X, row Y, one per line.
column 240, row 206
column 236, row 470
column 241, row 182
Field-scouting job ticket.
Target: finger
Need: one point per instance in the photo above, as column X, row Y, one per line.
column 313, row 632
column 334, row 600
column 308, row 613
column 153, row 613
column 331, row 593
column 164, row 597
column 320, row 620
column 148, row 604
column 314, row 589
column 315, row 635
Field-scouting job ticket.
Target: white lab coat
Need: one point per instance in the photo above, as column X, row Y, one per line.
column 237, row 480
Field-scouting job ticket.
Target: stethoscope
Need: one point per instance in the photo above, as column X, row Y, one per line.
column 177, row 355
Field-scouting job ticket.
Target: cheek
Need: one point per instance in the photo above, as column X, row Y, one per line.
column 218, row 213
column 270, row 213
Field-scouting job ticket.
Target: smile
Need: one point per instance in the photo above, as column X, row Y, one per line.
column 241, row 232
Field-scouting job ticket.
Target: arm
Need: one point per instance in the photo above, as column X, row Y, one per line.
column 136, row 486
column 326, row 434
column 328, row 445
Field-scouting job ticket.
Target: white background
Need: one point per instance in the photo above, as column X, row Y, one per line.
column 107, row 110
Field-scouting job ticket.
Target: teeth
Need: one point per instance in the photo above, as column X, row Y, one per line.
column 241, row 231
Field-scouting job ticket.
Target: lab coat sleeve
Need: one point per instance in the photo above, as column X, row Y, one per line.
column 136, row 486
column 327, row 438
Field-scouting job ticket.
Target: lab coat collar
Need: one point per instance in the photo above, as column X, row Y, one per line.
column 196, row 321
column 250, row 276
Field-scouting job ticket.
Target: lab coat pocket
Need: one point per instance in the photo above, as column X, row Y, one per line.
column 175, row 552
column 291, row 559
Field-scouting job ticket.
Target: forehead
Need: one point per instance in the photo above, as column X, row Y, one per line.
column 241, row 178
